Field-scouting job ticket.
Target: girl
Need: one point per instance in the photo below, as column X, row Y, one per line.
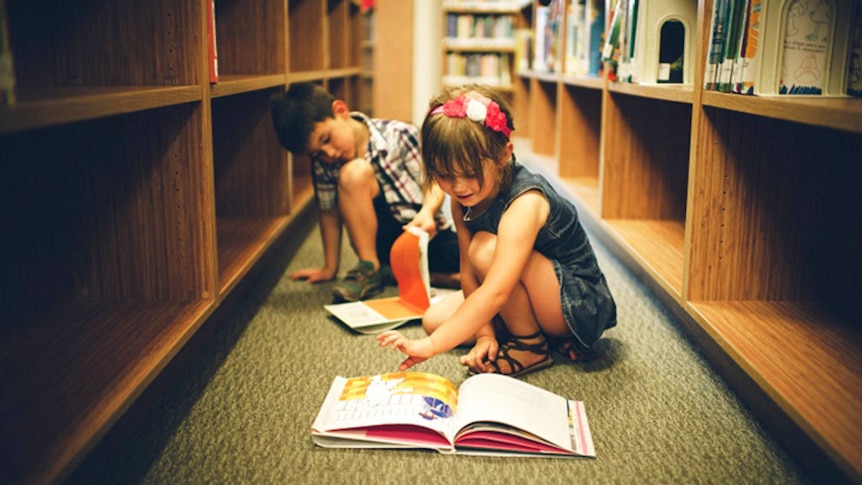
column 528, row 273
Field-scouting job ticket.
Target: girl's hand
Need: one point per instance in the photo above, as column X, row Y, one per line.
column 416, row 350
column 425, row 222
column 313, row 275
column 481, row 355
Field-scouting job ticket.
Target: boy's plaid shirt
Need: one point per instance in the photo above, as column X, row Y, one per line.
column 395, row 153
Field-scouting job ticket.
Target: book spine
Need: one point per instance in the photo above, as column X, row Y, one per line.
column 749, row 57
column 716, row 45
column 610, row 50
column 595, row 27
column 213, row 49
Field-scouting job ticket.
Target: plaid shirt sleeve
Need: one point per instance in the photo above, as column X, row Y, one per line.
column 402, row 172
column 325, row 179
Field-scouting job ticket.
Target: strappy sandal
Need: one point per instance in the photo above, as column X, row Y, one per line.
column 518, row 344
column 565, row 346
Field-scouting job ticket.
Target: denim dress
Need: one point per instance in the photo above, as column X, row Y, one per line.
column 586, row 300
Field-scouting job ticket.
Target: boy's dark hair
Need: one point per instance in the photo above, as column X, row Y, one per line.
column 295, row 111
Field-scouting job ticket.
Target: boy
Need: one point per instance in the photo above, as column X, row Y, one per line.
column 367, row 175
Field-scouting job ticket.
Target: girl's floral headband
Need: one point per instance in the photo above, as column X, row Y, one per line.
column 481, row 110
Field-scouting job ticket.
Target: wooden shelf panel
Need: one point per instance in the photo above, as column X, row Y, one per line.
column 809, row 364
column 585, row 191
column 138, row 195
column 676, row 93
column 836, row 113
column 241, row 243
column 250, row 37
column 588, row 82
column 658, row 246
column 229, row 85
column 73, row 375
column 44, row 107
column 306, row 23
column 483, row 7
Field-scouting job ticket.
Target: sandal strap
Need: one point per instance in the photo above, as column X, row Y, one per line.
column 516, row 342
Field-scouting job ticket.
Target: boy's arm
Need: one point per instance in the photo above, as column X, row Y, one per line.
column 330, row 233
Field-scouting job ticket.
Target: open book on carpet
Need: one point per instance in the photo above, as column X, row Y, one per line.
column 489, row 414
column 409, row 260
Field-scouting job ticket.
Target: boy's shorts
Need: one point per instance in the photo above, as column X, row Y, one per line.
column 443, row 256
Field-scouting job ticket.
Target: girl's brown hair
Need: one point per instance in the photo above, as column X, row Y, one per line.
column 460, row 146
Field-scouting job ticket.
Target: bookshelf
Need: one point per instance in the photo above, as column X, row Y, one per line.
column 734, row 210
column 135, row 196
column 479, row 42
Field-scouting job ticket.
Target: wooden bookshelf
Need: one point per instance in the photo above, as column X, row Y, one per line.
column 457, row 43
column 734, row 210
column 135, row 196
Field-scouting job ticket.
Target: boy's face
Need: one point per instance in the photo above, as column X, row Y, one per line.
column 333, row 139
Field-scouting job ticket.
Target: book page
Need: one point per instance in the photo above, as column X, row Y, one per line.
column 405, row 408
column 501, row 399
column 409, row 260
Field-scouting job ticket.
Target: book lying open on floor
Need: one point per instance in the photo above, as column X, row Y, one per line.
column 489, row 414
column 409, row 260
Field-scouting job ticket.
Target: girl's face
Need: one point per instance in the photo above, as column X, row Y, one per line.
column 466, row 189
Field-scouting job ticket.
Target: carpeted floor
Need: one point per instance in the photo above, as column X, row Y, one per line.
column 241, row 410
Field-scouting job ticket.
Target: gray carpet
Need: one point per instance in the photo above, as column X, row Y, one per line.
column 240, row 411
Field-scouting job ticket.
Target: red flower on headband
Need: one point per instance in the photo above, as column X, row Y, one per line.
column 496, row 119
column 455, row 108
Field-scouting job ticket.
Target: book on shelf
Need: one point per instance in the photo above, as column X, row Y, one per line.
column 594, row 29
column 7, row 64
column 548, row 55
column 611, row 45
column 211, row 42
column 628, row 67
column 540, row 39
column 488, row 414
column 653, row 41
column 523, row 49
column 409, row 261
column 748, row 55
column 780, row 47
column 575, row 57
column 715, row 55
column 736, row 13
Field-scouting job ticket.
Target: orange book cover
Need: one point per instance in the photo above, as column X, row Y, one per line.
column 409, row 260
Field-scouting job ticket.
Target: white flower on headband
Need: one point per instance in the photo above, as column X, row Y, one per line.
column 488, row 114
column 476, row 111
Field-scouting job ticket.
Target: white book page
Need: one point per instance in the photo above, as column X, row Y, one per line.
column 502, row 399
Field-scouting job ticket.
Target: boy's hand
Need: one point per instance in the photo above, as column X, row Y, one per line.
column 313, row 275
column 482, row 353
column 416, row 350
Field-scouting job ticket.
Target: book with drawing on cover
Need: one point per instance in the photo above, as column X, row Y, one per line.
column 489, row 414
column 409, row 260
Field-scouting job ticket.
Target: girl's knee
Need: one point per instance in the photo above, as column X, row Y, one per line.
column 437, row 314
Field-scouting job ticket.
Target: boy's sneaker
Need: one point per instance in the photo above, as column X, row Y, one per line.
column 360, row 283
column 387, row 277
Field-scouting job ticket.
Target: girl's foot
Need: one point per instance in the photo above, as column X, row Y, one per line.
column 521, row 355
column 565, row 346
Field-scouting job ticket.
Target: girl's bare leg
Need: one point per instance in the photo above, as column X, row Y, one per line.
column 533, row 306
